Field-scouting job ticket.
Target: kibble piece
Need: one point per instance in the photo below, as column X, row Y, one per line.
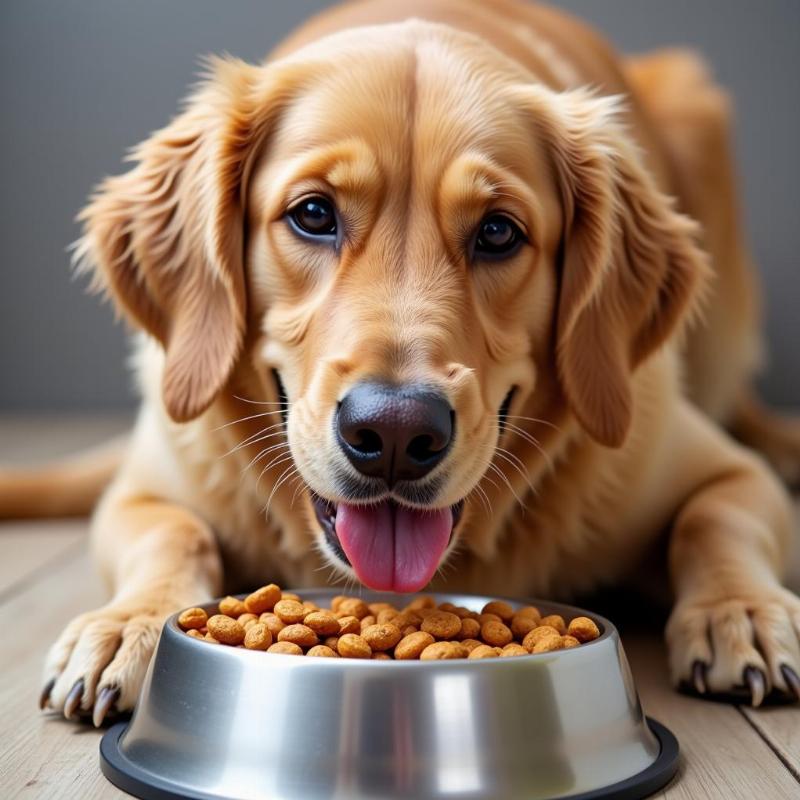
column 406, row 618
column 439, row 651
column 273, row 622
column 583, row 629
column 471, row 644
column 423, row 601
column 257, row 637
column 447, row 607
column 381, row 637
column 332, row 642
column 323, row 623
column 461, row 611
column 263, row 599
column 290, row 611
column 441, row 624
column 537, row 634
column 569, row 641
column 376, row 608
column 548, row 644
column 336, row 602
column 322, row 651
column 513, row 649
column 529, row 611
column 231, row 607
column 381, row 657
column 349, row 624
column 409, row 629
column 499, row 607
column 309, row 606
column 291, row 596
column 351, row 645
column 195, row 634
column 523, row 624
column 483, row 651
column 555, row 621
column 192, row 619
column 353, row 607
column 470, row 628
column 385, row 615
column 299, row 634
column 287, row 648
column 489, row 617
column 209, row 638
column 496, row 633
column 367, row 621
column 243, row 619
column 225, row 630
column 411, row 646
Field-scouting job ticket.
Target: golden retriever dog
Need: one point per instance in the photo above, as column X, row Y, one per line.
column 443, row 294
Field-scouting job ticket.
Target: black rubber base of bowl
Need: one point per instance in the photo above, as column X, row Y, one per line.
column 141, row 783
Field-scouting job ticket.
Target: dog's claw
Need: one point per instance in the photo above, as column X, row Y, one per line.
column 45, row 695
column 792, row 679
column 74, row 698
column 105, row 700
column 754, row 679
column 699, row 671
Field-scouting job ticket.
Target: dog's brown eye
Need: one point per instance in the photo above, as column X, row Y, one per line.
column 498, row 236
column 314, row 216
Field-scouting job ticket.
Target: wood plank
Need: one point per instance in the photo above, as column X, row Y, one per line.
column 780, row 727
column 722, row 756
column 26, row 547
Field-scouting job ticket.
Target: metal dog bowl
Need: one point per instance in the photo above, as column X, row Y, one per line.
column 221, row 722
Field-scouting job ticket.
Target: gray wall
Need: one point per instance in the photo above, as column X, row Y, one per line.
column 80, row 82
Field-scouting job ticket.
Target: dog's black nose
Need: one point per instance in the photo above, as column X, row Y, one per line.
column 394, row 432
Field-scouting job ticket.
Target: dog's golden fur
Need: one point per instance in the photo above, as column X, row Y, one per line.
column 417, row 128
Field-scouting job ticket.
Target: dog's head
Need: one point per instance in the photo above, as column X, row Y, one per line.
column 414, row 238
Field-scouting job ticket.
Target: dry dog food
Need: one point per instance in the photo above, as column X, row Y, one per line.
column 281, row 622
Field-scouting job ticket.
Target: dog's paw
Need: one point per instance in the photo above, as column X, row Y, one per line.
column 737, row 646
column 98, row 663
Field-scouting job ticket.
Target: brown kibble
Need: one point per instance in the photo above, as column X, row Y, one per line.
column 406, row 618
column 309, row 606
column 529, row 611
column 225, row 630
column 488, row 618
column 257, row 637
column 243, row 619
column 423, row 601
column 461, row 611
column 263, row 599
column 439, row 651
column 583, row 629
column 322, row 651
column 496, row 633
column 523, row 624
column 537, row 634
column 231, row 607
column 381, row 637
column 337, row 601
column 470, row 628
column 376, row 608
column 471, row 644
column 441, row 624
column 449, row 607
column 349, row 624
column 290, row 611
column 209, row 638
column 555, row 621
column 499, row 607
column 272, row 621
column 195, row 634
column 333, row 643
column 367, row 621
column 287, row 648
column 351, row 645
column 513, row 649
column 569, row 641
column 548, row 644
column 385, row 615
column 483, row 651
column 353, row 607
column 291, row 596
column 411, row 646
column 409, row 629
column 192, row 619
column 323, row 623
column 300, row 635
column 381, row 657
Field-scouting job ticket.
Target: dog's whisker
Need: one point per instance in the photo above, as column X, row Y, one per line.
column 244, row 419
column 284, row 403
column 545, row 455
column 266, row 451
column 281, row 458
column 504, row 454
column 535, row 419
column 285, row 475
column 255, row 438
column 507, row 482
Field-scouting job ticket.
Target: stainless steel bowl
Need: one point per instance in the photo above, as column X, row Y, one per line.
column 221, row 722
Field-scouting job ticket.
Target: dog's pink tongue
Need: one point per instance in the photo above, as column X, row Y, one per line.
column 393, row 548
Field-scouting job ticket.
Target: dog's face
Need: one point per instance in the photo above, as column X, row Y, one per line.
column 410, row 237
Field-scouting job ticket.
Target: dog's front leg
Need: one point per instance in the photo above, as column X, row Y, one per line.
column 159, row 557
column 734, row 625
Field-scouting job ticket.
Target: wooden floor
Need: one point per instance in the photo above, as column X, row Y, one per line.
column 46, row 578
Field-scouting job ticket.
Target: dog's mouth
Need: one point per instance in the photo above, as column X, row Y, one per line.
column 391, row 547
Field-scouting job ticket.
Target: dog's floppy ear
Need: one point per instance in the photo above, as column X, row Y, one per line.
column 631, row 269
column 165, row 240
